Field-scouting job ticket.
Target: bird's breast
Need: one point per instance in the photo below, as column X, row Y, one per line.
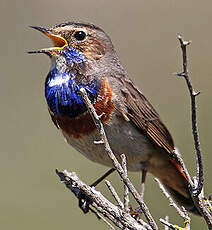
column 62, row 92
column 81, row 125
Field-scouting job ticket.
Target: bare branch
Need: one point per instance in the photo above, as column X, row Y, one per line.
column 167, row 220
column 197, row 190
column 172, row 203
column 146, row 226
column 171, row 226
column 117, row 216
column 115, row 195
column 183, row 213
column 126, row 190
column 195, row 186
column 117, row 166
column 105, row 220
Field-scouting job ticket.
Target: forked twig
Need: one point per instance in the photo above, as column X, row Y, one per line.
column 198, row 188
column 113, row 213
column 196, row 185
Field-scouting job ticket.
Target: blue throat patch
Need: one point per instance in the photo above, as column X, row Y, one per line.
column 61, row 90
column 74, row 56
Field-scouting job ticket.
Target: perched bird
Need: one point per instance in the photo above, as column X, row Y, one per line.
column 83, row 56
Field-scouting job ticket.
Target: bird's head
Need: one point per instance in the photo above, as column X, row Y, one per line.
column 77, row 42
column 81, row 56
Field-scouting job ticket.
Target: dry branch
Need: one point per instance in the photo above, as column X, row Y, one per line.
column 114, row 194
column 181, row 213
column 196, row 184
column 118, row 216
column 198, row 188
column 126, row 190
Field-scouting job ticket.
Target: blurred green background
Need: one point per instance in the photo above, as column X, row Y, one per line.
column 144, row 34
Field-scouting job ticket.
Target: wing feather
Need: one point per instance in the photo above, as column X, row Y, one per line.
column 144, row 116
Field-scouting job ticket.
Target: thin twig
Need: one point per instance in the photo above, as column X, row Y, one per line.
column 126, row 190
column 108, row 215
column 143, row 223
column 117, row 166
column 193, row 95
column 196, row 187
column 171, row 226
column 183, row 213
column 114, row 193
column 167, row 220
column 171, row 201
column 95, row 116
column 103, row 219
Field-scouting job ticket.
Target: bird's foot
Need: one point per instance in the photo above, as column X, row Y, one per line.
column 136, row 214
column 84, row 202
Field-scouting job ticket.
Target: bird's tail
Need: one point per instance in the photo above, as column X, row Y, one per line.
column 174, row 179
column 181, row 200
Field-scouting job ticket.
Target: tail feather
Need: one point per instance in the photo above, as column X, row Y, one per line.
column 186, row 202
column 181, row 200
column 174, row 179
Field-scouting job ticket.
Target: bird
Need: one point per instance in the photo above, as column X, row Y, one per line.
column 83, row 56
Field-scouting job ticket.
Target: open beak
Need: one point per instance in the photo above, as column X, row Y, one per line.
column 59, row 42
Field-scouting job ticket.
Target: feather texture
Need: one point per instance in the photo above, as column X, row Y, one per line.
column 144, row 116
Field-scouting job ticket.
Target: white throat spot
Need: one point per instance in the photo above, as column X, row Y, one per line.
column 59, row 80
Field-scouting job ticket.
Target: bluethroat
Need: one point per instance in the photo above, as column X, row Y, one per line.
column 83, row 56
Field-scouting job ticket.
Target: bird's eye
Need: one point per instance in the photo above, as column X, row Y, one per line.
column 80, row 35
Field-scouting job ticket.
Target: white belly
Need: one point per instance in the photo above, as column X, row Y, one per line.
column 123, row 138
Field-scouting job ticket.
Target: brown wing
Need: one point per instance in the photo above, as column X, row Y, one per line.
column 144, row 116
